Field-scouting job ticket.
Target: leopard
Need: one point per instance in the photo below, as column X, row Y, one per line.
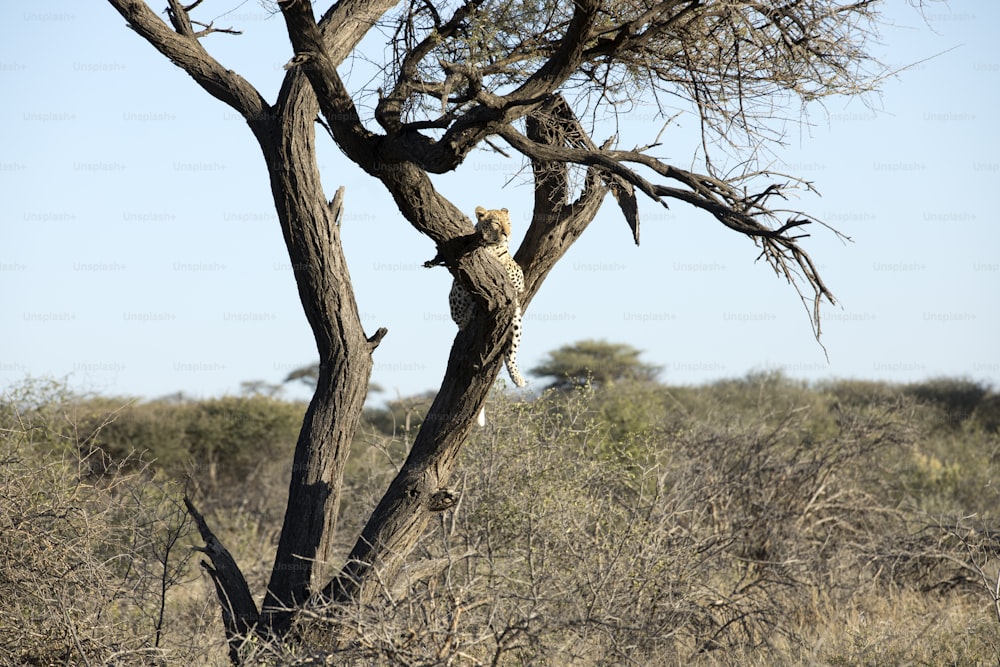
column 493, row 227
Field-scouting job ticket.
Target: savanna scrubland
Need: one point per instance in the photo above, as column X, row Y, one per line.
column 752, row 521
column 617, row 521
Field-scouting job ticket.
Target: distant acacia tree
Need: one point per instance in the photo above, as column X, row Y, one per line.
column 529, row 79
column 259, row 388
column 307, row 375
column 596, row 361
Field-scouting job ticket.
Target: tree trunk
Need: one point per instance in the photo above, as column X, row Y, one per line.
column 475, row 359
column 419, row 489
column 310, row 226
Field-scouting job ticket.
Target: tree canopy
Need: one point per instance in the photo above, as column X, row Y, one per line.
column 594, row 361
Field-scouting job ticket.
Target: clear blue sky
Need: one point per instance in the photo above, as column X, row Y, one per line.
column 140, row 255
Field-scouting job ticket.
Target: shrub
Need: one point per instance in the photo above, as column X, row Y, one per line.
column 747, row 540
column 214, row 440
column 860, row 393
column 751, row 521
column 987, row 414
column 956, row 399
column 91, row 550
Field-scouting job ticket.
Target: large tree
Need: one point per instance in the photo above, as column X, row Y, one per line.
column 529, row 79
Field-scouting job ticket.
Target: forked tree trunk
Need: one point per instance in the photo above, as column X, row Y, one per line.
column 420, row 489
column 309, row 223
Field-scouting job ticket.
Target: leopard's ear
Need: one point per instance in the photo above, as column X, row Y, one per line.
column 480, row 212
column 505, row 210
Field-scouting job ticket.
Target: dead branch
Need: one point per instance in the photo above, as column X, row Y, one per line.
column 182, row 47
column 239, row 611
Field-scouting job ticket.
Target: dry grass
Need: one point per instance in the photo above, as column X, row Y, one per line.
column 756, row 522
column 768, row 537
column 94, row 555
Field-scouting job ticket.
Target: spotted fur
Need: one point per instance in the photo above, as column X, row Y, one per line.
column 494, row 228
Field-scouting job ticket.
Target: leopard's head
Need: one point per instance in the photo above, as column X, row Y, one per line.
column 493, row 225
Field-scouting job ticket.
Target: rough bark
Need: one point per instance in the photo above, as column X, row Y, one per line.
column 239, row 611
column 473, row 364
column 312, row 236
column 476, row 355
column 311, row 230
column 410, row 501
column 309, row 225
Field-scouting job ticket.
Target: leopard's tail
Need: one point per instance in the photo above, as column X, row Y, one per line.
column 510, row 359
column 515, row 374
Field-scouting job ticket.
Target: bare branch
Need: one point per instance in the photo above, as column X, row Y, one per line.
column 729, row 205
column 208, row 29
column 734, row 64
column 239, row 611
column 312, row 57
column 182, row 47
column 389, row 109
column 556, row 222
